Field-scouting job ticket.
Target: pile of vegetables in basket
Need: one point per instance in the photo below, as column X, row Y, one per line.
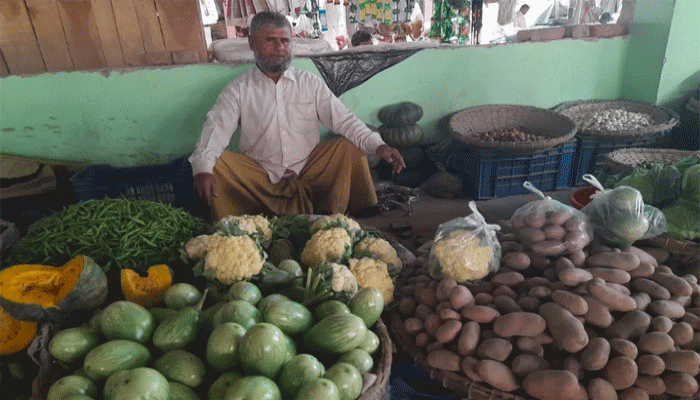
column 292, row 306
column 559, row 316
column 675, row 188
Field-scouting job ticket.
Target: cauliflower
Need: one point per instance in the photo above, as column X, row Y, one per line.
column 461, row 256
column 196, row 248
column 371, row 272
column 232, row 258
column 329, row 281
column 333, row 221
column 379, row 248
column 256, row 226
column 330, row 245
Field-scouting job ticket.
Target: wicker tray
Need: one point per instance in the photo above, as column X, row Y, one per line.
column 554, row 127
column 623, row 160
column 383, row 370
column 664, row 119
column 461, row 385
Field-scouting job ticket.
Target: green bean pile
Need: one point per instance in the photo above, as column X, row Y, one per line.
column 131, row 234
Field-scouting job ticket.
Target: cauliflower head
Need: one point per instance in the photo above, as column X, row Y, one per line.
column 326, row 245
column 371, row 272
column 461, row 256
column 256, row 226
column 335, row 220
column 343, row 279
column 232, row 258
column 380, row 248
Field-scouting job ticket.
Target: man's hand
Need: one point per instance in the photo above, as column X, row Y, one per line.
column 205, row 187
column 391, row 156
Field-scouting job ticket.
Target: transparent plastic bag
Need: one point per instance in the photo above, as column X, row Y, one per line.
column 550, row 228
column 465, row 248
column 619, row 216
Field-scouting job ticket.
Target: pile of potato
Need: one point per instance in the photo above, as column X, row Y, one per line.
column 595, row 323
column 508, row 135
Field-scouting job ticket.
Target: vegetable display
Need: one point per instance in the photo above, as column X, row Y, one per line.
column 596, row 322
column 130, row 234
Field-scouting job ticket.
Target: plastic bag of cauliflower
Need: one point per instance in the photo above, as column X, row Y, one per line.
column 550, row 228
column 465, row 249
column 619, row 216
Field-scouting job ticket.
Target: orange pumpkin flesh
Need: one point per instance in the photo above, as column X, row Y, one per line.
column 15, row 335
column 149, row 290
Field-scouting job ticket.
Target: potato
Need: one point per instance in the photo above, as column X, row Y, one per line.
column 680, row 384
column 444, row 360
column 570, row 301
column 624, row 347
column 644, row 256
column 661, row 323
column 480, row 314
column 655, row 343
column 423, row 311
column 516, row 260
column 573, row 365
column 505, row 291
column 497, row 375
column 444, row 305
column 631, row 325
column 650, row 364
column 621, row 372
column 692, row 319
column 434, row 346
column 567, row 331
column 554, row 232
column 529, row 303
column 544, row 338
column 642, row 299
column 551, row 385
column 595, row 355
column 407, row 306
column 563, row 264
column 448, row 331
column 442, row 291
column 549, row 247
column 598, row 313
column 431, row 323
column 621, row 260
column 519, row 324
column 655, row 290
column 674, row 284
column 667, row 308
column 413, row 326
column 460, row 296
column 422, row 339
column 467, row 366
column 526, row 363
column 664, row 269
column 508, row 247
column 694, row 344
column 610, row 275
column 644, row 270
column 448, row 313
column 427, row 297
column 494, row 349
column 529, row 345
column 574, row 276
column 681, row 332
column 577, row 258
column 576, row 240
column 483, row 299
column 600, row 389
column 613, row 299
column 530, row 235
column 534, row 281
column 506, row 304
column 682, row 361
column 653, row 385
column 660, row 255
column 508, row 278
column 633, row 393
column 538, row 261
column 468, row 338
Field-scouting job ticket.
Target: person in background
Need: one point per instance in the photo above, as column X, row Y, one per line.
column 283, row 168
column 360, row 38
column 519, row 21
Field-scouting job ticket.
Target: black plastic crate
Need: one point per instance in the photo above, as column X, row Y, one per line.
column 169, row 183
column 591, row 149
column 487, row 174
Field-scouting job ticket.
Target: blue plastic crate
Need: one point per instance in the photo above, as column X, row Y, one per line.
column 487, row 174
column 169, row 183
column 591, row 149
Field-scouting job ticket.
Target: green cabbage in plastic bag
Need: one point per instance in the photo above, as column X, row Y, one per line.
column 659, row 184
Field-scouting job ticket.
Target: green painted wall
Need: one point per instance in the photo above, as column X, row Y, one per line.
column 154, row 115
column 681, row 71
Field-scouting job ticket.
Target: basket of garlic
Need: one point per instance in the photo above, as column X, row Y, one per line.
column 606, row 125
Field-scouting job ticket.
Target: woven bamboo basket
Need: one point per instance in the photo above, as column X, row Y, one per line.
column 624, row 160
column 383, row 370
column 663, row 119
column 556, row 128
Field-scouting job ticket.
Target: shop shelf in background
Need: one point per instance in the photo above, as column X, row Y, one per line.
column 168, row 183
column 488, row 174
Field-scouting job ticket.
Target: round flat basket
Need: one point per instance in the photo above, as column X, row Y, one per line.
column 378, row 389
column 470, row 124
column 661, row 119
column 624, row 160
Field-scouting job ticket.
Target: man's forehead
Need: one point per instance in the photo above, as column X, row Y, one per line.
column 271, row 30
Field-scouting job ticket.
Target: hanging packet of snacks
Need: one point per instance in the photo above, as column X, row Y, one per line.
column 550, row 228
column 379, row 11
column 387, row 11
column 619, row 216
column 362, row 8
column 408, row 11
column 465, row 248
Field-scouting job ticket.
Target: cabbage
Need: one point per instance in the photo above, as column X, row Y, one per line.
column 683, row 218
column 690, row 186
column 659, row 184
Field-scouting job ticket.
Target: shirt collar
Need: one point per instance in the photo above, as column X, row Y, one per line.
column 288, row 73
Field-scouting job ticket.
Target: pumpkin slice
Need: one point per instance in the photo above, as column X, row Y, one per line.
column 31, row 292
column 15, row 335
column 149, row 290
